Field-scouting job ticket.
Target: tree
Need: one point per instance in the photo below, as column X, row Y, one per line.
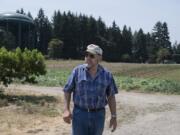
column 176, row 48
column 127, row 41
column 151, row 48
column 43, row 31
column 23, row 65
column 140, row 47
column 7, row 39
column 176, row 52
column 55, row 48
column 113, row 44
column 165, row 37
column 161, row 36
column 21, row 11
column 162, row 54
column 29, row 15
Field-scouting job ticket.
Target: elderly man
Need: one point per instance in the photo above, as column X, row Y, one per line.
column 93, row 87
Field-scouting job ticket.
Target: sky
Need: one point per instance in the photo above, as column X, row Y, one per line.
column 134, row 13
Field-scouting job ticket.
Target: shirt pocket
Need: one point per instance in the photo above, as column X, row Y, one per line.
column 101, row 88
column 81, row 87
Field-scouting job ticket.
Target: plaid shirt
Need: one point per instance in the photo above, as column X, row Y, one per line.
column 90, row 92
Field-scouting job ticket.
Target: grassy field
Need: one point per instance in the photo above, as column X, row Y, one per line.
column 164, row 78
column 29, row 112
column 142, row 77
column 159, row 71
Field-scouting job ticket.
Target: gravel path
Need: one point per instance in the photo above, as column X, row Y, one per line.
column 138, row 113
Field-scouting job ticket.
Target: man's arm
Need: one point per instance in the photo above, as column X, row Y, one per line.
column 112, row 104
column 68, row 89
column 67, row 99
column 67, row 112
column 112, row 107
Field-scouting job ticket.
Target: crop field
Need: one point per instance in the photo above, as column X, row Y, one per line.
column 142, row 77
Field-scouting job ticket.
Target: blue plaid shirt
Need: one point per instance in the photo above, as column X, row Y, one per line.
column 90, row 92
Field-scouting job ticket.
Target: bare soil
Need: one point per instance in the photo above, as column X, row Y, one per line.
column 138, row 114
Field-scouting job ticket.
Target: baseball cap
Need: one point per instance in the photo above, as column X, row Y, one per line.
column 94, row 49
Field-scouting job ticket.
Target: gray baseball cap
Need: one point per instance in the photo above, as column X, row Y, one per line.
column 94, row 49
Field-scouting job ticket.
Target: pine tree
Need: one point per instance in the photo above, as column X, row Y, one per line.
column 140, row 47
column 43, row 31
column 127, row 43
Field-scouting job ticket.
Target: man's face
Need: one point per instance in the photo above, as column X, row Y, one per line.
column 91, row 59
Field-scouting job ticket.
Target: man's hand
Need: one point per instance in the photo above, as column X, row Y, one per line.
column 113, row 124
column 67, row 116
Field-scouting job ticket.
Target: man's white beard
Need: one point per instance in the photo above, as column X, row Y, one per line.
column 89, row 66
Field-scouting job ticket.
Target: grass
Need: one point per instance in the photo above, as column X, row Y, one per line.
column 159, row 71
column 31, row 104
column 54, row 77
column 163, row 78
column 148, row 85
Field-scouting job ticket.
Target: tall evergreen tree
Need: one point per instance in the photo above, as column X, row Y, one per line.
column 127, row 42
column 166, row 40
column 140, row 47
column 161, row 36
column 43, row 31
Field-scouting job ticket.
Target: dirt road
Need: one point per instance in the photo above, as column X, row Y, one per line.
column 138, row 114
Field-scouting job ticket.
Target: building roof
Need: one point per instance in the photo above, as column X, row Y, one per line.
column 10, row 16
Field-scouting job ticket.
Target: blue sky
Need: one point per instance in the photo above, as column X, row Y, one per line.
column 134, row 13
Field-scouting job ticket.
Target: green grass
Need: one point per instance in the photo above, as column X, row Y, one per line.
column 158, row 71
column 163, row 78
column 55, row 77
column 148, row 85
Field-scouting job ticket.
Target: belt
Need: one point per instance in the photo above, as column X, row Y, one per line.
column 89, row 109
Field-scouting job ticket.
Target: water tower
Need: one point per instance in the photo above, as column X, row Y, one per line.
column 22, row 28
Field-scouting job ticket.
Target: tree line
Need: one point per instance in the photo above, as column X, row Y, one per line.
column 67, row 34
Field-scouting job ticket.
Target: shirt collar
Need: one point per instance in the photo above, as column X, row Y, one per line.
column 99, row 70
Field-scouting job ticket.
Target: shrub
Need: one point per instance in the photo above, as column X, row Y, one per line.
column 55, row 48
column 23, row 65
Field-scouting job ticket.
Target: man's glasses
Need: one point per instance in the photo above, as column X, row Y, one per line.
column 90, row 55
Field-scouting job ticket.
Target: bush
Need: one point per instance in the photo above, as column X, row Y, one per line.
column 23, row 65
column 55, row 48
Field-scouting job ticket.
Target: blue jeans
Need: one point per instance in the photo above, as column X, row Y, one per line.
column 87, row 123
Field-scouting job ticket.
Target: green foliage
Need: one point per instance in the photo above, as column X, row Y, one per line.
column 77, row 31
column 165, row 86
column 126, row 58
column 7, row 39
column 162, row 54
column 176, row 58
column 140, row 47
column 148, row 85
column 22, row 65
column 55, row 77
column 43, row 31
column 55, row 48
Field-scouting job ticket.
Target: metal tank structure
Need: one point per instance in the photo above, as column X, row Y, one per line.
column 21, row 27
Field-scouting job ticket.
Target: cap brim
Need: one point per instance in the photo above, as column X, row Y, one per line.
column 90, row 51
